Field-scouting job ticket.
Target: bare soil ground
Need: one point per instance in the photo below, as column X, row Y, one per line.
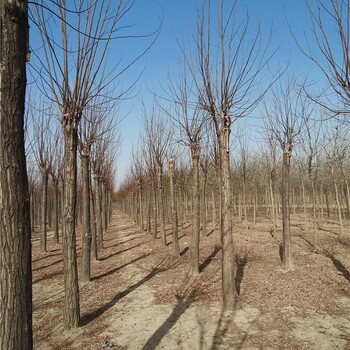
column 142, row 298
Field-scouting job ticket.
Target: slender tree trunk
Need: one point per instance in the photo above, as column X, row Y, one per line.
column 204, row 205
column 287, row 244
column 337, row 200
column 228, row 257
column 214, row 209
column 98, row 213
column 161, row 203
column 141, row 208
column 304, row 203
column 347, row 198
column 55, row 210
column 15, row 228
column 313, row 188
column 93, row 223
column 154, row 209
column 32, row 211
column 244, row 194
column 272, row 195
column 327, row 202
column 71, row 310
column 86, row 227
column 176, row 247
column 194, row 248
column 149, row 210
column 43, row 225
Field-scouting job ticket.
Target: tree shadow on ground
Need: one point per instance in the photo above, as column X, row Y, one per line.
column 107, row 273
column 210, row 232
column 184, row 251
column 49, row 255
column 49, row 265
column 306, row 240
column 339, row 266
column 225, row 322
column 119, row 252
column 208, row 260
column 122, row 242
column 103, row 308
column 183, row 303
column 48, row 276
column 241, row 262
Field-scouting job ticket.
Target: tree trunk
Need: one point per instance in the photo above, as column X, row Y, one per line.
column 194, row 249
column 140, row 207
column 228, row 259
column 98, row 213
column 347, row 198
column 204, row 204
column 304, row 204
column 337, row 200
column 43, row 226
column 71, row 311
column 86, row 227
column 154, row 209
column 214, row 209
column 15, row 234
column 161, row 203
column 149, row 210
column 55, row 210
column 93, row 222
column 287, row 249
column 176, row 248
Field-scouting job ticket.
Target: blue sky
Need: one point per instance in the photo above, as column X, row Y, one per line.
column 178, row 23
column 179, row 19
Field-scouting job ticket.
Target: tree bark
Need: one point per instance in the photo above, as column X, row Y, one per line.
column 15, row 228
column 43, row 225
column 55, row 210
column 71, row 311
column 98, row 213
column 140, row 208
column 86, row 227
column 161, row 203
column 174, row 220
column 154, row 209
column 194, row 249
column 228, row 259
column 337, row 200
column 287, row 244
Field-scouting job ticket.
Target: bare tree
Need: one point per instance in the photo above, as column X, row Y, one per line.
column 158, row 137
column 225, row 69
column 189, row 122
column 174, row 219
column 73, row 73
column 15, row 230
column 336, row 152
column 94, row 125
column 312, row 142
column 332, row 57
column 286, row 115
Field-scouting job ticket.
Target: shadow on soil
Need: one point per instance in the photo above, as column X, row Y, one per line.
column 45, row 266
column 102, row 309
column 208, row 260
column 49, row 255
column 48, row 276
column 183, row 303
column 119, row 252
column 119, row 243
column 241, row 261
column 339, row 266
column 107, row 273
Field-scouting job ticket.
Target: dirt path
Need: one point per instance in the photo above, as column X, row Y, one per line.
column 141, row 298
